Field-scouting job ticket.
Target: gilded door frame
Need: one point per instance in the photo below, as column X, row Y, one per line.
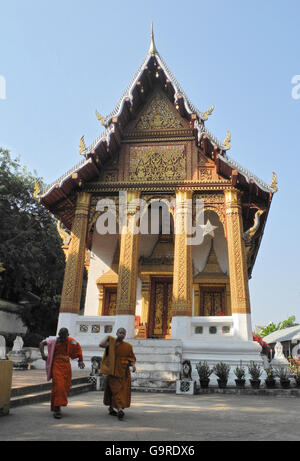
column 151, row 313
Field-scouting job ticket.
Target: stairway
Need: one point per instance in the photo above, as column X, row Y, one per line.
column 27, row 395
column 158, row 364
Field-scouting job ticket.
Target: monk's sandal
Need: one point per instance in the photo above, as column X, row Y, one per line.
column 112, row 412
column 121, row 414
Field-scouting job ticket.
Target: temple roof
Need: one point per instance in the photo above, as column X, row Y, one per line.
column 152, row 69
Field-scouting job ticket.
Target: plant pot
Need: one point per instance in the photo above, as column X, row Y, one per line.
column 222, row 383
column 204, row 383
column 240, row 383
column 6, row 370
column 270, row 383
column 285, row 383
column 255, row 383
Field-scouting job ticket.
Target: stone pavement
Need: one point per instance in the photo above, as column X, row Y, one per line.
column 159, row 417
column 22, row 378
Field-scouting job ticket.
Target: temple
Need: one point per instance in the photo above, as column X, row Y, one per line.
column 156, row 166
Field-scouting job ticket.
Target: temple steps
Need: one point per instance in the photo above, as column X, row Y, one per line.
column 27, row 395
column 158, row 364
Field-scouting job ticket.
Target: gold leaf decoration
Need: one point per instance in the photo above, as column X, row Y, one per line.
column 36, row 190
column 227, row 140
column 274, row 182
column 158, row 116
column 82, row 146
column 208, row 112
column 100, row 117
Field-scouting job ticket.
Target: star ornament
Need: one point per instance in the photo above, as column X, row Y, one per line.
column 208, row 228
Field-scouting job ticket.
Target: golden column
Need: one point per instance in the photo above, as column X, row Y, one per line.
column 129, row 251
column 183, row 266
column 72, row 287
column 240, row 299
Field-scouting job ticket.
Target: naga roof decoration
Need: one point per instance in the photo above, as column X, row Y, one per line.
column 155, row 62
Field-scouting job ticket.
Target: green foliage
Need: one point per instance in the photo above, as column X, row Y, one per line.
column 204, row 371
column 271, row 327
column 221, row 370
column 255, row 370
column 283, row 373
column 30, row 247
column 270, row 372
column 239, row 371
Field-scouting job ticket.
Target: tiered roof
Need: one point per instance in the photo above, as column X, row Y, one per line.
column 153, row 69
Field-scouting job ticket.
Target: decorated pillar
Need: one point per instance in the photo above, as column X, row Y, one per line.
column 72, row 286
column 128, row 266
column 239, row 289
column 183, row 267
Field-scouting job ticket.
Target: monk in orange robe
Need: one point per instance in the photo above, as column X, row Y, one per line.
column 58, row 367
column 117, row 359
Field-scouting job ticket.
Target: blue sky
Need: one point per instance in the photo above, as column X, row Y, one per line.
column 61, row 60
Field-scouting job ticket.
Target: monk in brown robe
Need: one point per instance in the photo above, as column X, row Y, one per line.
column 117, row 359
column 58, row 367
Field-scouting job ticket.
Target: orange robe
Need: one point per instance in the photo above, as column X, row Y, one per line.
column 117, row 392
column 61, row 371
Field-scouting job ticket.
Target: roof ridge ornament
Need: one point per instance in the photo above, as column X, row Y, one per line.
column 100, row 117
column 82, row 146
column 274, row 183
column 36, row 190
column 208, row 112
column 153, row 49
column 227, row 140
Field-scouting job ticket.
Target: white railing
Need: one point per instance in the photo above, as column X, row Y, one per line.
column 212, row 326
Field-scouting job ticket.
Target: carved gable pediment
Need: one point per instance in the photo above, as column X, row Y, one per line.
column 156, row 163
column 158, row 115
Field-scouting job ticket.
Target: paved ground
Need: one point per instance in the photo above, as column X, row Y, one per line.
column 160, row 417
column 21, row 378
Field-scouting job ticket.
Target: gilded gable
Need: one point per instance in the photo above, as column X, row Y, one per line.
column 156, row 163
column 158, row 116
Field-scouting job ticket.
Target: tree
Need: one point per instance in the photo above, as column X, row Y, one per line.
column 30, row 248
column 271, row 327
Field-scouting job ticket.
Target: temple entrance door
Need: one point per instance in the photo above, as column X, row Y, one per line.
column 160, row 312
column 110, row 301
column 212, row 301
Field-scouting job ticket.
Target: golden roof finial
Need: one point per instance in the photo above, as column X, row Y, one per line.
column 273, row 184
column 82, row 146
column 36, row 190
column 100, row 118
column 227, row 140
column 152, row 49
column 208, row 112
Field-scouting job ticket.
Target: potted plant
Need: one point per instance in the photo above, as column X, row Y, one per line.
column 296, row 375
column 283, row 374
column 295, row 369
column 239, row 372
column 221, row 370
column 204, row 372
column 255, row 372
column 270, row 379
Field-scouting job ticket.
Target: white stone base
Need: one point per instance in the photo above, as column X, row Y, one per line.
column 66, row 320
column 159, row 361
column 127, row 322
column 185, row 387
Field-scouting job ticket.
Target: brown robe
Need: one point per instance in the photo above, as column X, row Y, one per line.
column 115, row 363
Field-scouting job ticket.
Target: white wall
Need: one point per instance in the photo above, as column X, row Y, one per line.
column 102, row 253
column 201, row 252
